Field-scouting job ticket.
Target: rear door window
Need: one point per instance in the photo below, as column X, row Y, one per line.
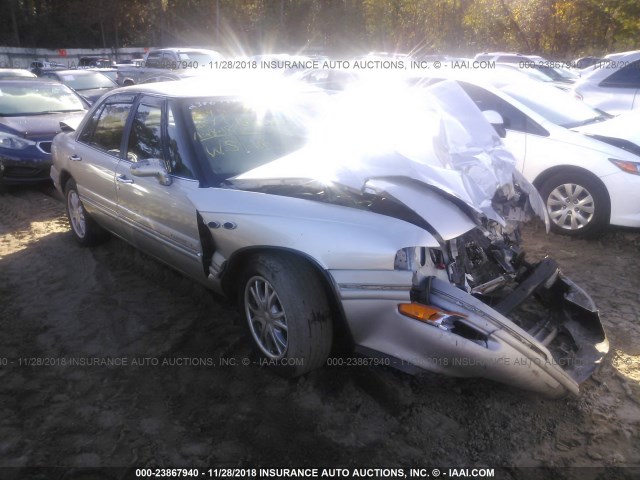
column 105, row 128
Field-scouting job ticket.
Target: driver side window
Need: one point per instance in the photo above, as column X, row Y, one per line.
column 145, row 139
column 149, row 138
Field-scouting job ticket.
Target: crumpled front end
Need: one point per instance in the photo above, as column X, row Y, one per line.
column 518, row 323
column 472, row 306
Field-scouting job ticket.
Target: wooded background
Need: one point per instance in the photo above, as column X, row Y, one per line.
column 555, row 28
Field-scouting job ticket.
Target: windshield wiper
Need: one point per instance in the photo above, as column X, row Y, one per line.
column 589, row 121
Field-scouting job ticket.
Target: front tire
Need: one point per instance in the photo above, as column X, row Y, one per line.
column 577, row 202
column 287, row 313
column 84, row 228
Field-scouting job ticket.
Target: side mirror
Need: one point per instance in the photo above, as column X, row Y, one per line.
column 495, row 119
column 152, row 167
column 66, row 128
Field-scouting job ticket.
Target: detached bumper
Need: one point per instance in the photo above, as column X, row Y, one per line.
column 552, row 341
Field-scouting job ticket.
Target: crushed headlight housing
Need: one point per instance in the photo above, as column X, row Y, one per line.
column 415, row 258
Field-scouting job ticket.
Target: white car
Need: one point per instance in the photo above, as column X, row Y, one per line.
column 585, row 163
column 506, row 57
column 612, row 85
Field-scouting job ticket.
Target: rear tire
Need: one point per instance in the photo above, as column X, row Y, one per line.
column 84, row 228
column 577, row 202
column 287, row 313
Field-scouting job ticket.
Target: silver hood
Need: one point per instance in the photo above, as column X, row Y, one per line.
column 435, row 136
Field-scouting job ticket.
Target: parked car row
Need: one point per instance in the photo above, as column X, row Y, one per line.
column 610, row 83
column 584, row 163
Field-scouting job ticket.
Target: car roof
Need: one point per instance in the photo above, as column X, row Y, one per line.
column 176, row 74
column 22, row 72
column 222, row 85
column 183, row 49
column 523, row 56
column 29, row 81
column 499, row 53
column 629, row 55
column 474, row 75
column 82, row 71
column 601, row 72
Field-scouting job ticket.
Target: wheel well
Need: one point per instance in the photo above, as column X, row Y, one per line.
column 235, row 266
column 544, row 176
column 64, row 178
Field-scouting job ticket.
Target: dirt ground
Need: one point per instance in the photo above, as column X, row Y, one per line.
column 61, row 303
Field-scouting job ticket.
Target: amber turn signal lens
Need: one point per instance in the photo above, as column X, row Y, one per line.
column 424, row 313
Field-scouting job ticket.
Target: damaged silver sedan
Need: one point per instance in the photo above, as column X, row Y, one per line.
column 388, row 225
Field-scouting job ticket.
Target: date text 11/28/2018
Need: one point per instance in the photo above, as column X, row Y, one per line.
column 314, row 472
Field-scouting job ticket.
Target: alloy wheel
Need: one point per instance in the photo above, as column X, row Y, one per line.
column 76, row 214
column 266, row 317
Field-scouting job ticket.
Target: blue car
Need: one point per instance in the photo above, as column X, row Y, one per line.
column 30, row 116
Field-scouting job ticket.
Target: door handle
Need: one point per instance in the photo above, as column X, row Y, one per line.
column 123, row 179
column 75, row 158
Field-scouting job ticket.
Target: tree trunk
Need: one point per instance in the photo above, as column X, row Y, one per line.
column 14, row 23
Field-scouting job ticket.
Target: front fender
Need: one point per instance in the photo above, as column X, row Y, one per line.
column 241, row 219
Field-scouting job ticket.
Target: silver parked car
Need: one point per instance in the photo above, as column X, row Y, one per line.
column 613, row 84
column 391, row 223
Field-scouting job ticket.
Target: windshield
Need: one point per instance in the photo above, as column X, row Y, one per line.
column 37, row 99
column 553, row 104
column 86, row 81
column 236, row 136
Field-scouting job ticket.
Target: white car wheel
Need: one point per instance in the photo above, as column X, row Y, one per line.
column 577, row 203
